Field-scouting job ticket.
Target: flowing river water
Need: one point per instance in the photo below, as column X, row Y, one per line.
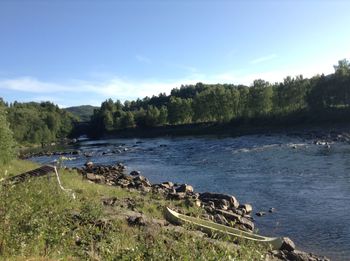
column 307, row 184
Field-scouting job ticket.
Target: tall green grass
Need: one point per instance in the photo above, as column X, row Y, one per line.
column 39, row 221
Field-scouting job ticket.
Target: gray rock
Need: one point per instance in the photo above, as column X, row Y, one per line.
column 207, row 196
column 123, row 183
column 145, row 189
column 89, row 164
column 224, row 204
column 247, row 208
column 120, row 165
column 135, row 173
column 220, row 219
column 184, row 188
column 211, row 204
column 167, row 185
column 287, row 244
column 260, row 214
column 303, row 256
column 240, row 220
column 142, row 180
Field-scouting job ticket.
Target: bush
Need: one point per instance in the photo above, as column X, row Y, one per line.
column 7, row 144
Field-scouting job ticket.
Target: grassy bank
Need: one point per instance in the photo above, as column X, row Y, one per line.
column 40, row 221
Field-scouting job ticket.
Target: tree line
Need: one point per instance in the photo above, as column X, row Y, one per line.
column 7, row 143
column 36, row 123
column 231, row 103
column 295, row 100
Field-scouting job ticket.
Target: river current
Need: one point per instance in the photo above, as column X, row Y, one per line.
column 308, row 185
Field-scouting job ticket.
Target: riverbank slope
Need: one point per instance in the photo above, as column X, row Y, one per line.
column 102, row 222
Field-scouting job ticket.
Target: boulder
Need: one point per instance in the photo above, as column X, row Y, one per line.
column 167, row 185
column 287, row 244
column 303, row 256
column 135, row 173
column 126, row 177
column 123, row 183
column 220, row 219
column 211, row 204
column 224, row 204
column 120, row 165
column 158, row 190
column 245, row 222
column 184, row 188
column 142, row 180
column 237, row 211
column 207, row 196
column 195, row 195
column 248, row 224
column 89, row 164
column 145, row 189
column 260, row 214
column 247, row 208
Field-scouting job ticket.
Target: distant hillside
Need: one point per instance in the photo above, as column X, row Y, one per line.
column 83, row 112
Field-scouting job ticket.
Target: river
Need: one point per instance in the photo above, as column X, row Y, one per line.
column 307, row 184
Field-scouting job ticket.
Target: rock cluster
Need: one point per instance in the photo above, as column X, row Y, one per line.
column 324, row 137
column 220, row 208
column 226, row 210
column 114, row 176
column 295, row 255
column 49, row 153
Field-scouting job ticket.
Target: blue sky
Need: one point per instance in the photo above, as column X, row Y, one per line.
column 82, row 52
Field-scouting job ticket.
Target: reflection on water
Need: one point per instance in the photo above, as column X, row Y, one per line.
column 307, row 184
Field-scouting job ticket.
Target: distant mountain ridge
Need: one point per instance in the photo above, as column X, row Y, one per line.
column 82, row 112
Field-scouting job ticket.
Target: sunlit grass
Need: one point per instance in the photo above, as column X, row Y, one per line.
column 16, row 167
column 39, row 221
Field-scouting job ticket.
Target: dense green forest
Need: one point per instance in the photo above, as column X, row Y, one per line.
column 295, row 100
column 83, row 112
column 37, row 123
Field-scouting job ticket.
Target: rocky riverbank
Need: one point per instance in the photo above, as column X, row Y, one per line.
column 322, row 136
column 220, row 208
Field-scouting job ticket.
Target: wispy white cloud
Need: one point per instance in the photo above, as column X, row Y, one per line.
column 263, row 59
column 31, row 84
column 322, row 65
column 143, row 59
column 80, row 92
